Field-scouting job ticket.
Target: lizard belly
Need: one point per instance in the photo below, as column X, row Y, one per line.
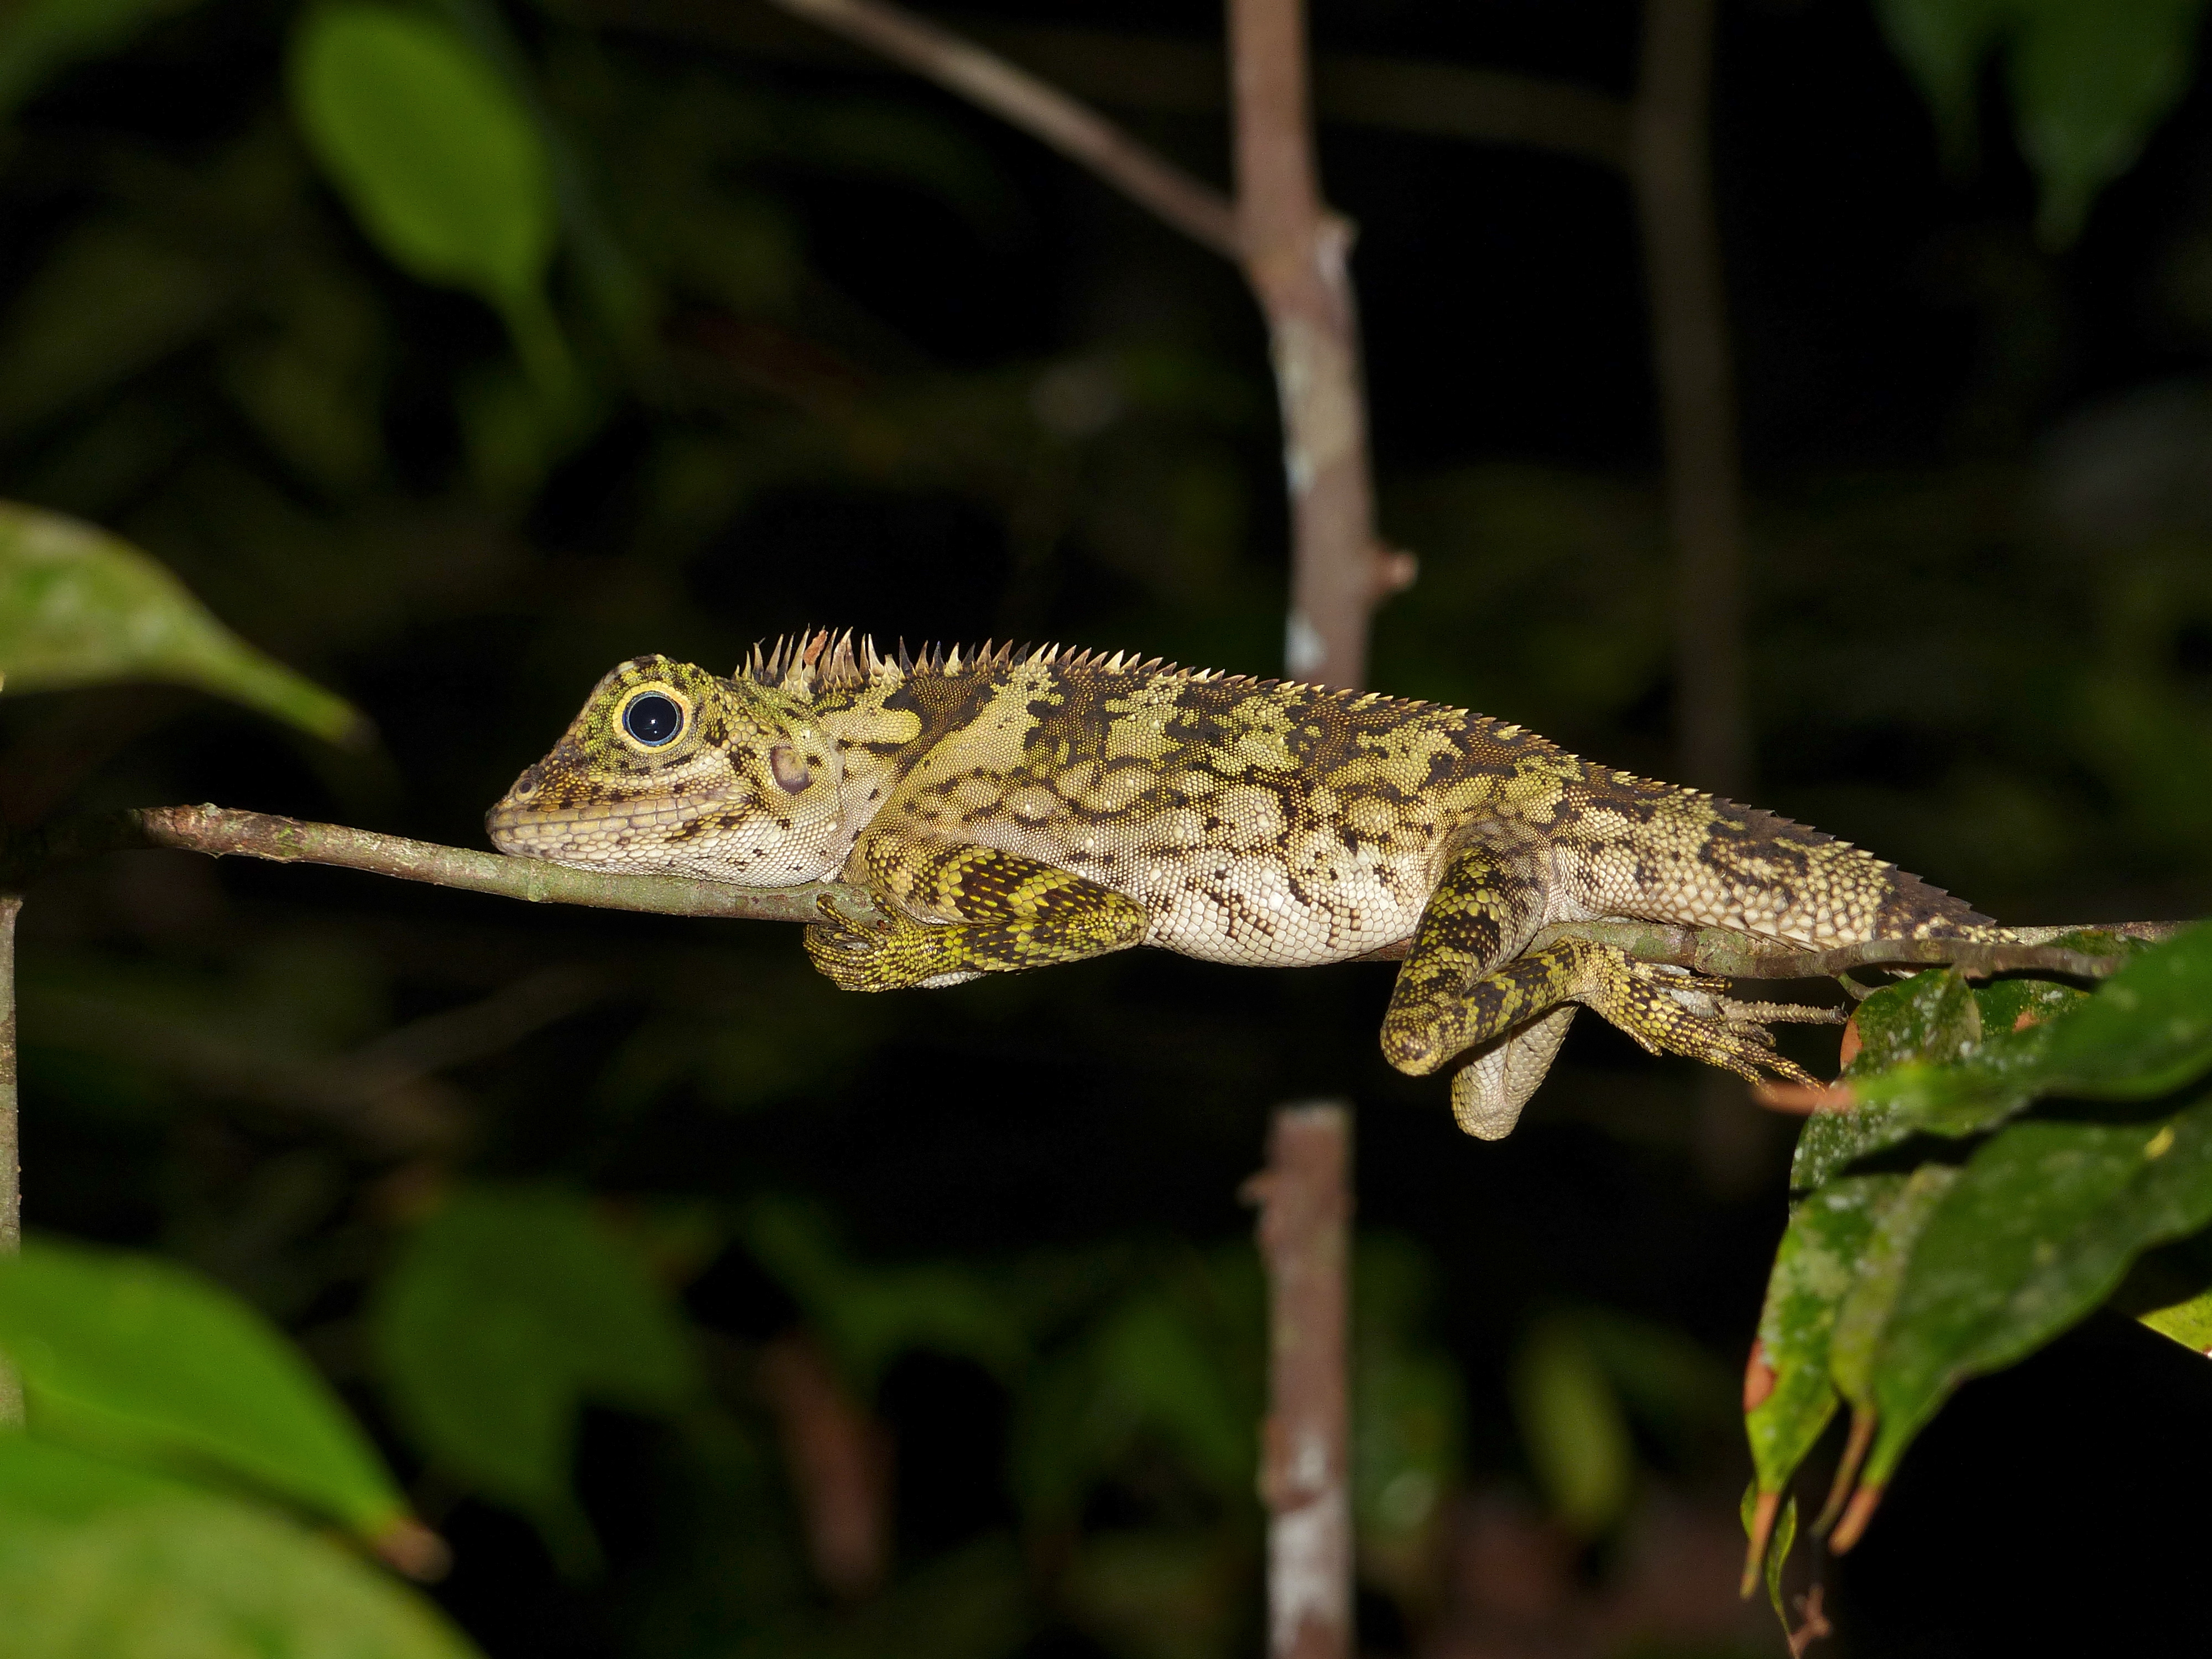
column 1261, row 912
column 1310, row 902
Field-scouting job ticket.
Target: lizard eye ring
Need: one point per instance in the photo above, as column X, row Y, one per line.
column 654, row 717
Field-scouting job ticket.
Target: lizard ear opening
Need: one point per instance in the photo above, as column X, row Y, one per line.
column 792, row 772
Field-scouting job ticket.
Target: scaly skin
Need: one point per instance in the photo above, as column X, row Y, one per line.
column 1011, row 809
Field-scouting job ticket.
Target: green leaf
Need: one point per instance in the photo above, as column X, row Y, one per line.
column 2090, row 81
column 1779, row 1545
column 2188, row 1321
column 1572, row 1427
column 137, row 1357
column 2170, row 1289
column 438, row 159
column 2146, row 1032
column 2038, row 1230
column 507, row 1311
column 1863, row 1317
column 78, row 607
column 1932, row 1016
column 1815, row 1268
column 42, row 1479
column 41, row 37
column 99, row 1563
column 1777, row 1557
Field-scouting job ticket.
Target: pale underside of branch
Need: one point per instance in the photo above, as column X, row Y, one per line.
column 222, row 831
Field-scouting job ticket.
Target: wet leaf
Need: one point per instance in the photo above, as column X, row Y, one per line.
column 2188, row 1321
column 1863, row 1317
column 79, row 607
column 137, row 1358
column 438, row 159
column 1931, row 1017
column 1815, row 1268
column 1783, row 1539
column 2170, row 1289
column 2145, row 1032
column 508, row 1310
column 100, row 1563
column 2038, row 1229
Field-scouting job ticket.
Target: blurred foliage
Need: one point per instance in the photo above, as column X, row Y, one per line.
column 159, row 1407
column 506, row 1311
column 80, row 608
column 2088, row 82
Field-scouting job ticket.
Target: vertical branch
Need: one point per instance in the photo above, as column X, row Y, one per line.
column 1295, row 256
column 1304, row 1196
column 1671, row 164
column 11, row 1202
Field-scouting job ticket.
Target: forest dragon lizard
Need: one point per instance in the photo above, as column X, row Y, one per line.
column 1008, row 809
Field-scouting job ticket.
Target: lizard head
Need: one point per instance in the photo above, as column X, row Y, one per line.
column 671, row 770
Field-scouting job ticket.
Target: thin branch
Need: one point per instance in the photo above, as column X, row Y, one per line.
column 1296, row 257
column 11, row 1197
column 222, row 831
column 1182, row 77
column 1671, row 167
column 1042, row 111
column 1294, row 252
column 1304, row 1196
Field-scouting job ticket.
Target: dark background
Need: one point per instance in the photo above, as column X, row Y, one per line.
column 1981, row 643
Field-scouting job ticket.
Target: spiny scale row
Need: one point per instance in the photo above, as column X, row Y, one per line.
column 820, row 660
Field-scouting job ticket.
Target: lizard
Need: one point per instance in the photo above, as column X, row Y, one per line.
column 1008, row 809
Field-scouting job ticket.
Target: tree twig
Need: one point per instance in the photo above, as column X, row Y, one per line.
column 222, row 831
column 1294, row 253
column 1128, row 70
column 1304, row 1196
column 1296, row 257
column 1042, row 111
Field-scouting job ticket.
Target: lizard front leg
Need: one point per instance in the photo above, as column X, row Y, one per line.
column 1002, row 914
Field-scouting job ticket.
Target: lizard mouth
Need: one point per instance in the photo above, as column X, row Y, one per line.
column 597, row 831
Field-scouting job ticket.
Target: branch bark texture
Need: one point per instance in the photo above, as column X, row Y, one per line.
column 1304, row 1196
column 1671, row 170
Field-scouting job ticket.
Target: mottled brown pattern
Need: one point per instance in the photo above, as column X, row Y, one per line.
column 1015, row 809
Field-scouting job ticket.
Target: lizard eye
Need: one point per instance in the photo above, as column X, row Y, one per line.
column 792, row 773
column 654, row 719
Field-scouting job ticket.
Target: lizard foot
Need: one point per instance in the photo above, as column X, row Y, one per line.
column 908, row 953
column 1668, row 1010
